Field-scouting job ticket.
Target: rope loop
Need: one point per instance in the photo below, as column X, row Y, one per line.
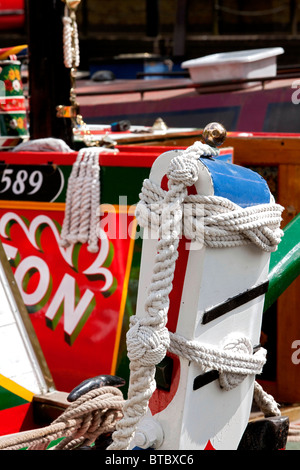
column 217, row 221
column 183, row 170
column 235, row 357
column 242, row 346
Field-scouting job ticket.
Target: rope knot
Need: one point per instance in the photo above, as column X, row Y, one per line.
column 147, row 345
column 241, row 346
column 183, row 170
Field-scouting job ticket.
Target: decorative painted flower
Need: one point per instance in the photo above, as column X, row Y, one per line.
column 20, row 122
column 11, row 74
column 16, row 85
column 13, row 124
column 17, row 74
column 8, row 85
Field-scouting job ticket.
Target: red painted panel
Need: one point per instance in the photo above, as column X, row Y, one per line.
column 19, row 418
column 135, row 156
column 81, row 339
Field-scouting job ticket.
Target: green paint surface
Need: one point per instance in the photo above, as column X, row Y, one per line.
column 284, row 263
column 115, row 182
column 9, row 399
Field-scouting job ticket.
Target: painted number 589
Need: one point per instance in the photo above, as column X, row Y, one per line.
column 17, row 184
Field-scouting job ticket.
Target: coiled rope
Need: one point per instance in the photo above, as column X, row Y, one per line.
column 148, row 339
column 93, row 414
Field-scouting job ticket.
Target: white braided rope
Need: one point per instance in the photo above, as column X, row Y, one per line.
column 215, row 220
column 70, row 40
column 95, row 200
column 265, row 402
column 235, row 357
column 82, row 200
column 234, row 361
column 148, row 338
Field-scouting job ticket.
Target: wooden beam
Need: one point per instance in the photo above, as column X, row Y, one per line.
column 49, row 80
column 270, row 151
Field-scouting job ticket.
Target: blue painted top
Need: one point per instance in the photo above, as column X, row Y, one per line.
column 236, row 183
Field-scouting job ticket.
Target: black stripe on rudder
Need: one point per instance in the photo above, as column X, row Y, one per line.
column 234, row 302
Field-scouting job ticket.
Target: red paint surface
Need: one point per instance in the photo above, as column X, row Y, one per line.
column 209, row 446
column 92, row 351
column 15, row 20
column 16, row 419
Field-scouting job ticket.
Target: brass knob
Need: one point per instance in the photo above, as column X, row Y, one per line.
column 214, row 134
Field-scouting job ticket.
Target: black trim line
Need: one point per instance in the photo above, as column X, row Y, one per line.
column 234, row 302
column 204, row 379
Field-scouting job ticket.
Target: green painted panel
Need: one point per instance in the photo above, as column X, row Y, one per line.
column 9, row 399
column 115, row 182
column 284, row 263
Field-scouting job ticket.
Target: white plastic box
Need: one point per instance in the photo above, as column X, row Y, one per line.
column 253, row 63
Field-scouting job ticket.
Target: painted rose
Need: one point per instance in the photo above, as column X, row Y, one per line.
column 8, row 85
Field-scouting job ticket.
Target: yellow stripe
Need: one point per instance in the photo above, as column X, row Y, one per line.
column 123, row 298
column 60, row 206
column 15, row 388
column 33, row 205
